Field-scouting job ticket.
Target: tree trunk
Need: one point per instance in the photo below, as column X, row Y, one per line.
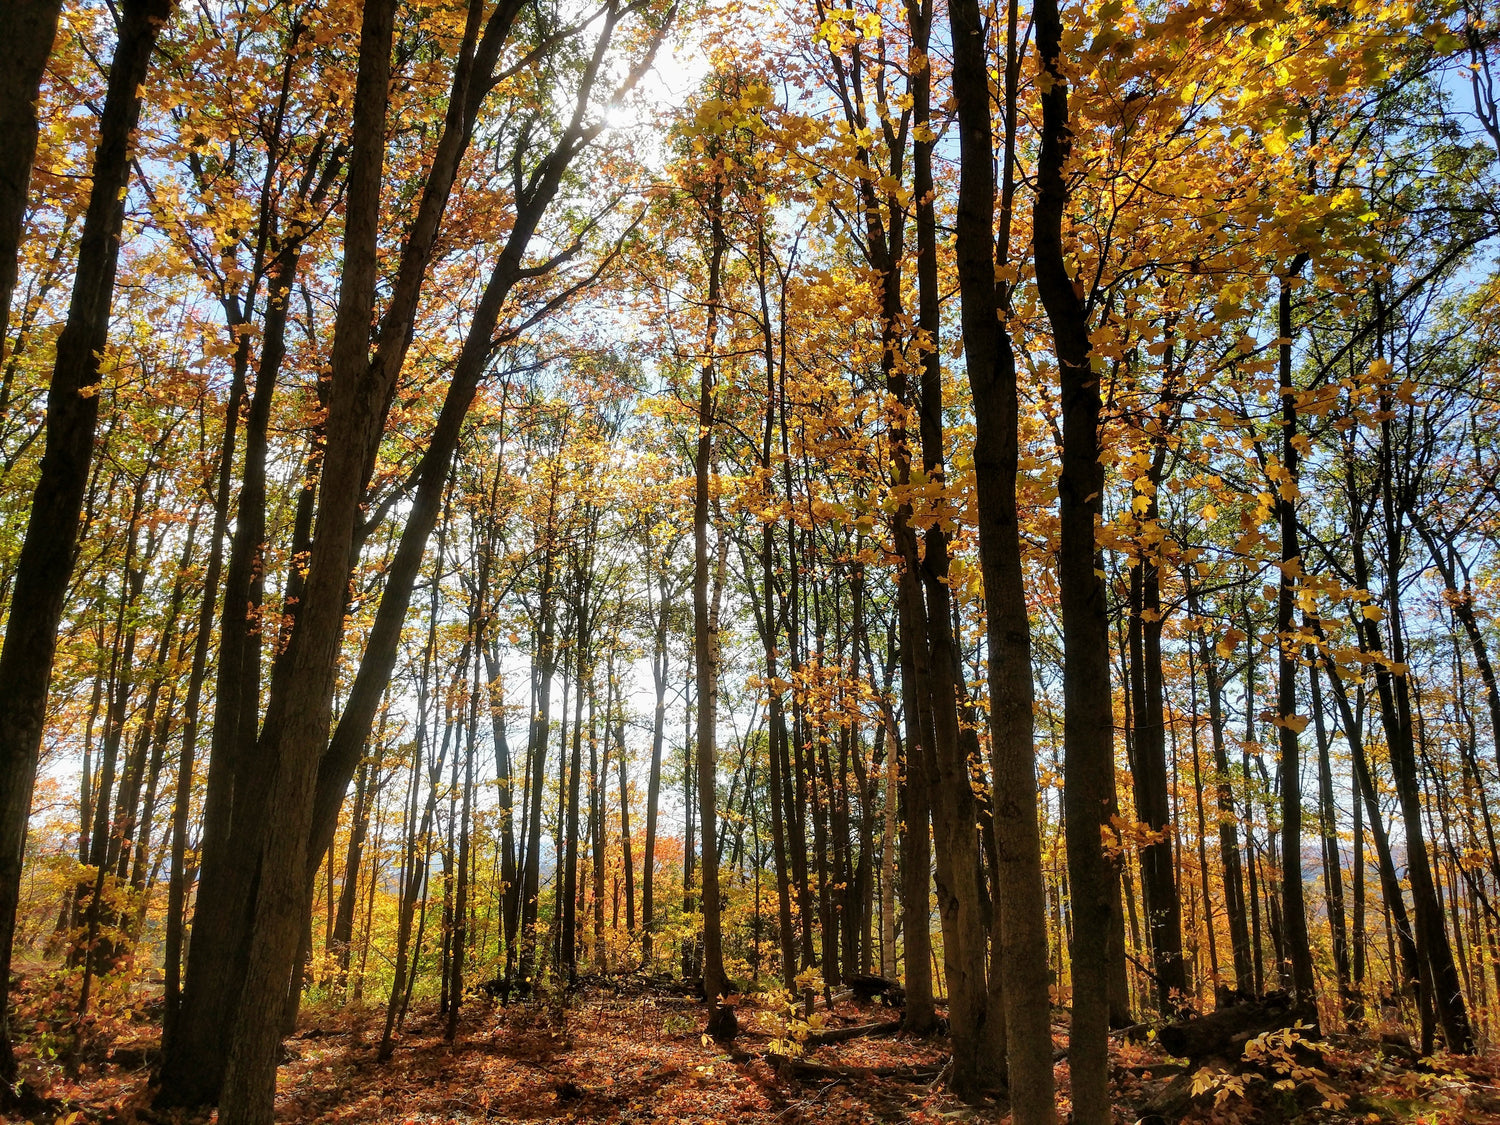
column 505, row 778
column 653, row 782
column 27, row 30
column 1088, row 721
column 45, row 564
column 1149, row 765
column 1288, row 724
column 597, row 790
column 705, row 642
column 297, row 720
column 413, row 873
column 459, row 944
column 1393, row 690
column 1020, row 899
column 343, row 925
column 1333, row 860
column 627, row 855
column 1229, row 842
column 234, row 795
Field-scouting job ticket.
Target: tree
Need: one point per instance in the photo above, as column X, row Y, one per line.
column 1020, row 903
column 46, row 560
column 27, row 29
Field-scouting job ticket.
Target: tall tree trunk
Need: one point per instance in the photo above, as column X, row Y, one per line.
column 297, row 721
column 1393, row 690
column 770, row 623
column 653, row 782
column 916, row 836
column 1229, row 841
column 597, row 790
column 568, row 896
column 543, row 669
column 505, row 778
column 617, row 725
column 359, row 825
column 1333, row 859
column 45, row 565
column 27, row 30
column 178, row 880
column 1288, row 723
column 705, row 640
column 234, row 795
column 1409, row 974
column 460, row 931
column 414, row 874
column 1020, row 899
column 1088, row 721
column 1198, row 786
column 1149, row 745
column 889, row 845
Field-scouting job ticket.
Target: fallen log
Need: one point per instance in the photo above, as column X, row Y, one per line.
column 867, row 987
column 858, row 1031
column 1224, row 1033
column 800, row 1070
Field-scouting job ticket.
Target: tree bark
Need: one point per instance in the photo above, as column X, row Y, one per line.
column 1229, row 842
column 1088, row 720
column 1294, row 912
column 1020, row 901
column 1149, row 765
column 1393, row 691
column 705, row 639
column 297, row 721
column 27, row 31
column 659, row 671
column 46, row 559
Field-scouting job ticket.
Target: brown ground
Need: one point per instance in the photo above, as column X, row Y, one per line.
column 644, row 1059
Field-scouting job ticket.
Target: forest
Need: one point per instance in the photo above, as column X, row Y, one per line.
column 704, row 560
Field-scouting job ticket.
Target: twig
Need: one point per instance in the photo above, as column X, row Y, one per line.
column 942, row 1074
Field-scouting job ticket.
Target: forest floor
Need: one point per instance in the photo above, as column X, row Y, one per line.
column 612, row 1058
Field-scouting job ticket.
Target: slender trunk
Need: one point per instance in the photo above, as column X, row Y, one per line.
column 297, row 720
column 1149, row 764
column 543, row 669
column 413, row 874
column 568, row 897
column 342, row 935
column 597, row 778
column 505, row 780
column 234, row 791
column 1229, row 841
column 1288, row 723
column 27, row 31
column 178, row 883
column 1208, row 909
column 627, row 855
column 653, row 783
column 1088, row 722
column 1333, row 859
column 889, row 845
column 1408, row 974
column 1393, row 690
column 45, row 564
column 916, row 837
column 705, row 640
column 460, row 929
